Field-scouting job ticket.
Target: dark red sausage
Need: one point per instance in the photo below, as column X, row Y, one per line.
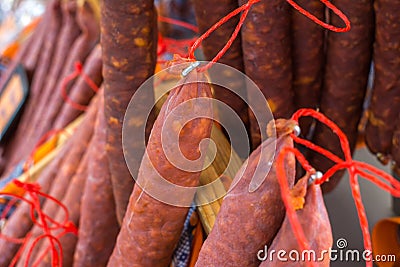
column 15, row 150
column 20, row 222
column 72, row 200
column 207, row 14
column 49, row 53
column 348, row 62
column 50, row 98
column 82, row 137
column 314, row 221
column 383, row 115
column 251, row 219
column 80, row 49
column 308, row 58
column 266, row 42
column 60, row 45
column 81, row 93
column 96, row 240
column 31, row 58
column 68, row 33
column 396, row 147
column 177, row 9
column 129, row 42
column 151, row 229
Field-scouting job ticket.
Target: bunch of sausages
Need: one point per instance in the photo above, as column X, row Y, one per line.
column 294, row 62
column 298, row 64
column 66, row 34
column 265, row 227
column 79, row 178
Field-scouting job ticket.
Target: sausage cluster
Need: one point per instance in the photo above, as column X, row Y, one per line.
column 295, row 64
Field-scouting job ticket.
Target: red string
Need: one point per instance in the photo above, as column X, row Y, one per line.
column 67, row 228
column 56, row 259
column 179, row 47
column 172, row 46
column 8, row 208
column 180, row 23
column 20, row 250
column 285, row 193
column 46, row 230
column 321, row 23
column 161, row 46
column 43, row 221
column 245, row 9
column 355, row 168
column 77, row 72
column 58, row 225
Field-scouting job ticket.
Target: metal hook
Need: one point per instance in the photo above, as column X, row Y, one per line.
column 191, row 67
column 296, row 130
column 315, row 176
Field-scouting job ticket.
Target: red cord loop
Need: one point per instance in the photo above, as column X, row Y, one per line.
column 78, row 72
column 30, row 187
column 285, row 194
column 355, row 168
column 320, row 22
column 43, row 221
column 245, row 10
column 173, row 46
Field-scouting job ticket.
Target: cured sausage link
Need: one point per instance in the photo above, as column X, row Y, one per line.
column 151, row 228
column 266, row 43
column 382, row 116
column 348, row 62
column 129, row 42
column 263, row 209
column 209, row 12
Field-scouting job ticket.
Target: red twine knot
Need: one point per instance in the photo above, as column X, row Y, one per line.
column 30, row 187
column 70, row 227
column 244, row 10
column 355, row 168
column 64, row 84
column 78, row 66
